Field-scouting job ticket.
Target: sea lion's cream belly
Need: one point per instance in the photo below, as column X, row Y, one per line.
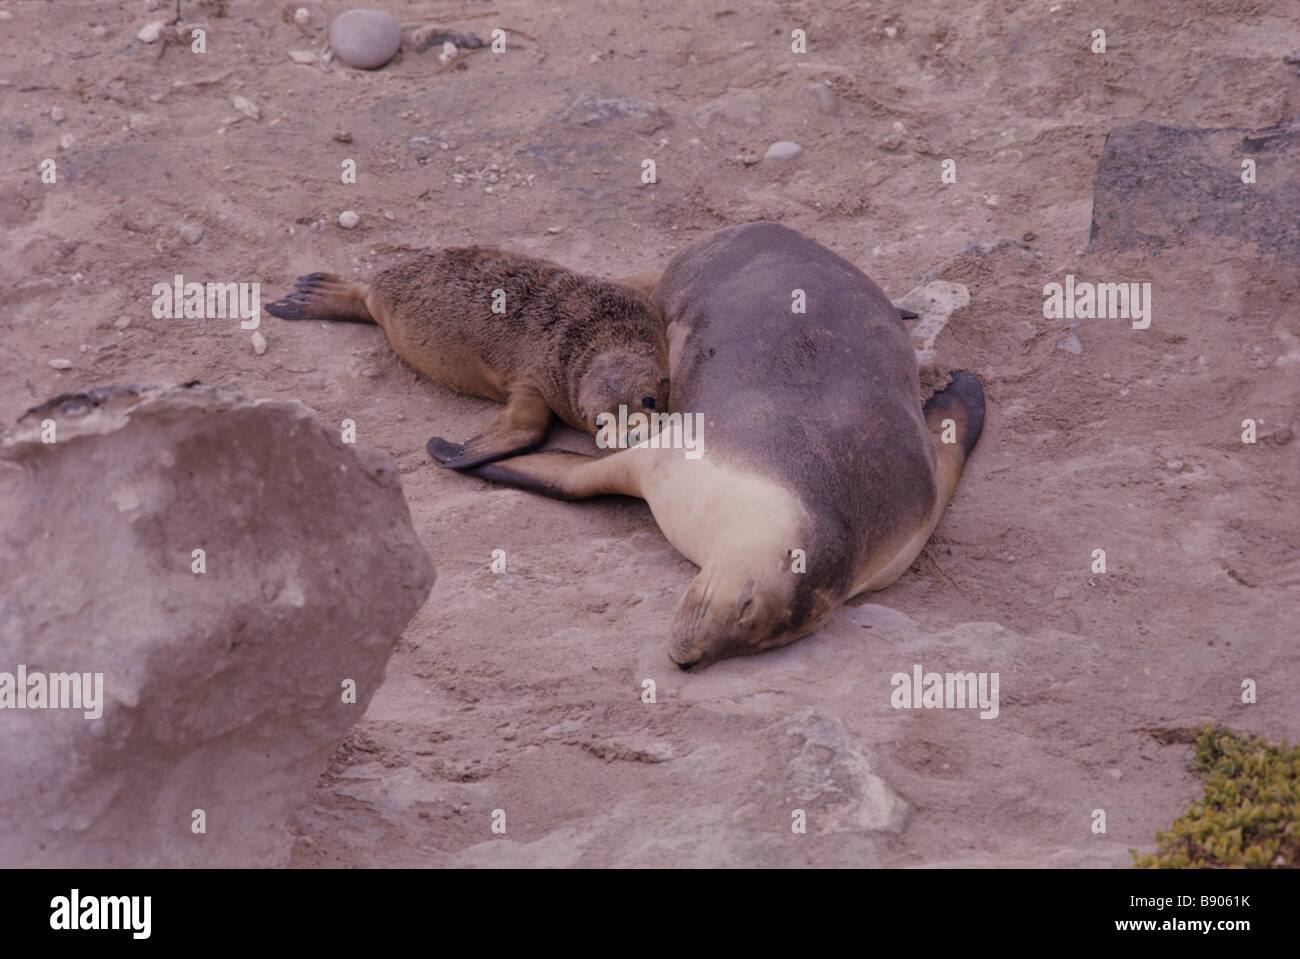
column 707, row 508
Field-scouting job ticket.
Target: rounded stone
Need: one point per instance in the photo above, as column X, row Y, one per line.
column 783, row 150
column 348, row 219
column 365, row 38
column 192, row 232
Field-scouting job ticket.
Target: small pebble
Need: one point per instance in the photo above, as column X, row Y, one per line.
column 1061, row 593
column 61, row 364
column 142, row 121
column 348, row 219
column 57, row 114
column 99, row 32
column 1071, row 343
column 65, row 141
column 449, row 52
column 259, row 343
column 365, row 38
column 783, row 150
column 552, row 229
column 192, row 232
column 122, row 322
column 343, row 136
column 891, row 32
column 306, row 57
column 1030, row 237
column 245, row 106
column 302, row 15
column 151, row 32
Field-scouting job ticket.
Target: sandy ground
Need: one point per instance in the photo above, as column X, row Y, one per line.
column 522, row 691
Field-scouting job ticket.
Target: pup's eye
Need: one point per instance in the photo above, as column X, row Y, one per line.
column 648, row 402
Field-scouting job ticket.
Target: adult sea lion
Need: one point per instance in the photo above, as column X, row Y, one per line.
column 817, row 456
column 559, row 342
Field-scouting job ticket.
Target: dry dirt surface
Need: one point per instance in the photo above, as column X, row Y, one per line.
column 522, row 691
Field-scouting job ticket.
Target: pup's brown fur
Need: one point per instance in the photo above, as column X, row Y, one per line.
column 567, row 344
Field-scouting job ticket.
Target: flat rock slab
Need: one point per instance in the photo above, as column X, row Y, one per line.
column 1157, row 185
column 219, row 680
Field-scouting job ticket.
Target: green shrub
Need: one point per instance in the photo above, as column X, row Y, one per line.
column 1249, row 816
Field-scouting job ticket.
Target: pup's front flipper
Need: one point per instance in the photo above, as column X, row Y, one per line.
column 519, row 428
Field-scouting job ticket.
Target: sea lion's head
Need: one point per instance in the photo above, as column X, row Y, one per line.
column 736, row 608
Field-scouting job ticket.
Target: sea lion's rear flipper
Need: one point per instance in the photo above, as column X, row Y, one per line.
column 554, row 473
column 324, row 296
column 955, row 418
column 519, row 428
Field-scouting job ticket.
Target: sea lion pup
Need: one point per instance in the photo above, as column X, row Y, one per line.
column 559, row 342
column 821, row 476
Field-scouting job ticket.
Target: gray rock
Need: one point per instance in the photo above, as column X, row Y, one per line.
column 1156, row 185
column 192, row 232
column 783, row 150
column 744, row 108
column 221, row 690
column 348, row 219
column 365, row 39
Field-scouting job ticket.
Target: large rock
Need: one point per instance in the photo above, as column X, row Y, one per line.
column 223, row 691
column 1157, row 185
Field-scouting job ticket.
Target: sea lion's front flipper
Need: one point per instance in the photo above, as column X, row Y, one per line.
column 519, row 428
column 555, row 473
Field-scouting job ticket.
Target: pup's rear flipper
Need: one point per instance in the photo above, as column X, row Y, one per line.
column 323, row 296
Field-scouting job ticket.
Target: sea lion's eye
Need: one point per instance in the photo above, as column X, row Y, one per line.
column 648, row 402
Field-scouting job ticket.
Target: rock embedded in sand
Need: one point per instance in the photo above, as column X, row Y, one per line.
column 57, row 114
column 745, row 108
column 61, row 364
column 825, row 98
column 246, row 106
column 645, row 116
column 259, row 342
column 301, row 15
column 192, row 232
column 348, row 219
column 783, row 150
column 365, row 39
column 221, row 687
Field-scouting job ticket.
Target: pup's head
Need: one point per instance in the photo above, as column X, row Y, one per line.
column 617, row 378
